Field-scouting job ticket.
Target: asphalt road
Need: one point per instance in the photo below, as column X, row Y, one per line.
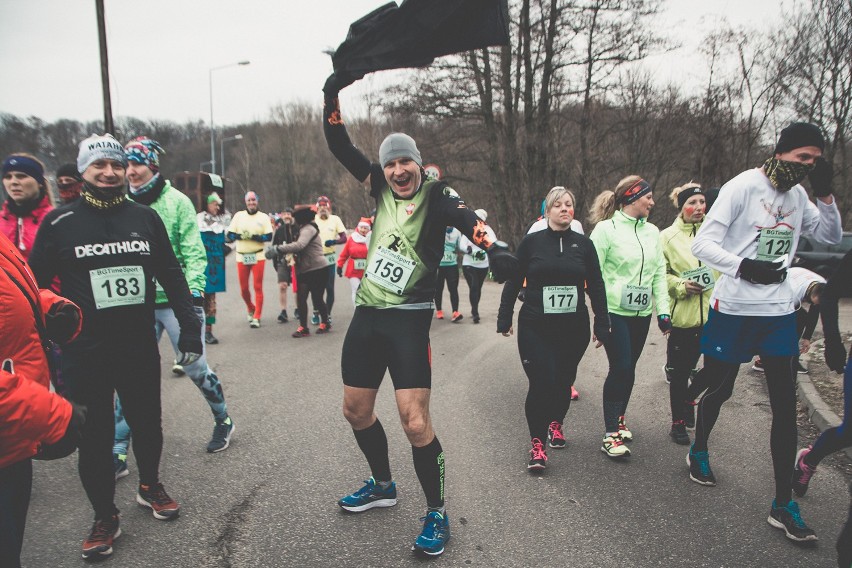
column 270, row 499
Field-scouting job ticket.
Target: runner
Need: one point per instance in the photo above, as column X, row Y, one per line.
column 748, row 236
column 475, row 266
column 285, row 233
column 311, row 267
column 690, row 283
column 539, row 225
column 251, row 228
column 448, row 271
column 354, row 256
column 34, row 419
column 553, row 325
column 213, row 222
column 332, row 232
column 634, row 270
column 149, row 188
column 107, row 251
column 390, row 327
column 839, row 437
column 807, row 287
column 69, row 183
column 28, row 200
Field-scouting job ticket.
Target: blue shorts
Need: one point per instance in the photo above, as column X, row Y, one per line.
column 736, row 339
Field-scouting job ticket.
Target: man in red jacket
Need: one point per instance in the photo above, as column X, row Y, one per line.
column 31, row 417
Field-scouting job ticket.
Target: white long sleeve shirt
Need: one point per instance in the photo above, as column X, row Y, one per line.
column 751, row 219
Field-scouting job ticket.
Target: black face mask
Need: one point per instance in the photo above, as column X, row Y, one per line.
column 783, row 174
column 103, row 197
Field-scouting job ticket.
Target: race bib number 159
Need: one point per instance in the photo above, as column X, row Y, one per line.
column 390, row 270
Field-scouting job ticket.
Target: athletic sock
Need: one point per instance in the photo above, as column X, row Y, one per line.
column 374, row 443
column 429, row 465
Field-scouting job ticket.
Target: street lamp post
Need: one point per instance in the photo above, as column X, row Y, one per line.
column 222, row 148
column 212, row 129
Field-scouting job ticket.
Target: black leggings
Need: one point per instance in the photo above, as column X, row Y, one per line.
column 16, row 484
column 95, row 369
column 451, row 275
column 781, row 384
column 474, row 277
column 312, row 282
column 622, row 350
column 329, row 289
column 839, row 437
column 551, row 348
column 683, row 352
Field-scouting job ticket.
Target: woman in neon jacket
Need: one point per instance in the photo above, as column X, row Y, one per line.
column 634, row 270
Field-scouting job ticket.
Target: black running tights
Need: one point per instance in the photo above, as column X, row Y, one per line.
column 451, row 275
column 781, row 384
column 551, row 348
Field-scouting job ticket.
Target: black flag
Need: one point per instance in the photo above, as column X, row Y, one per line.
column 416, row 32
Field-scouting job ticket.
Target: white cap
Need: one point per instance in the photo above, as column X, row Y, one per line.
column 482, row 214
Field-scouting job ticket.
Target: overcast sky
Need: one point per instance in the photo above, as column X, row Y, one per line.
column 161, row 51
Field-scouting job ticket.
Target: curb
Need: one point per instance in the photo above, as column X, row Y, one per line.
column 819, row 413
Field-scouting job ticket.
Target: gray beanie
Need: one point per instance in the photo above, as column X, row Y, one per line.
column 96, row 148
column 399, row 145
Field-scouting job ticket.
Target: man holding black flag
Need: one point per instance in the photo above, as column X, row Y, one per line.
column 393, row 312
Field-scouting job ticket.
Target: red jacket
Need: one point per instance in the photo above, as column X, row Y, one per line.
column 353, row 250
column 29, row 413
column 22, row 230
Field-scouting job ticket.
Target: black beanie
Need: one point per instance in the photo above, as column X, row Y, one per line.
column 68, row 170
column 798, row 135
column 710, row 196
column 304, row 215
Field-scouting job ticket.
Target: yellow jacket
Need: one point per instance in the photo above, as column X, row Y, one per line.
column 687, row 310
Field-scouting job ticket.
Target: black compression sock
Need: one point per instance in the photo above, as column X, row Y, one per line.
column 374, row 443
column 429, row 465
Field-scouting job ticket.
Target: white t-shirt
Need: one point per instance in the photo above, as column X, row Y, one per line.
column 541, row 225
column 751, row 219
column 800, row 279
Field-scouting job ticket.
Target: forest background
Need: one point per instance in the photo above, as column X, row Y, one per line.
column 568, row 102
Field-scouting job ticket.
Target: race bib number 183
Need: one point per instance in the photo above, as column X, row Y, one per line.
column 118, row 286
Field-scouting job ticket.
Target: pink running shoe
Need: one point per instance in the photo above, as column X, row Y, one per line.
column 538, row 456
column 802, row 472
column 575, row 395
column 555, row 438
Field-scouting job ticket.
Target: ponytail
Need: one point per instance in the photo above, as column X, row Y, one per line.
column 603, row 207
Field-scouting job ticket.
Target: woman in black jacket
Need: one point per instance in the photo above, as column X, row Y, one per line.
column 553, row 325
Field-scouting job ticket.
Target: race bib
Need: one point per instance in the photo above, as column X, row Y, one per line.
column 118, row 286
column 702, row 276
column 449, row 257
column 636, row 298
column 360, row 263
column 250, row 258
column 390, row 270
column 559, row 299
column 331, row 258
column 773, row 243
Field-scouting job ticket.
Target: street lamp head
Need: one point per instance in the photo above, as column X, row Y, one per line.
column 244, row 63
column 238, row 136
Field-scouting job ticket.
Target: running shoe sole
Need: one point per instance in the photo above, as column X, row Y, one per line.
column 535, row 467
column 157, row 515
column 96, row 553
column 779, row 525
column 227, row 441
column 370, row 505
column 123, row 473
column 615, row 456
column 419, row 550
column 698, row 481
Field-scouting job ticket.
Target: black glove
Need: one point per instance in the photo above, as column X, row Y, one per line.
column 330, row 243
column 189, row 349
column 503, row 263
column 504, row 325
column 762, row 271
column 469, row 249
column 601, row 330
column 835, row 355
column 62, row 321
column 340, row 271
column 336, row 82
column 271, row 252
column 66, row 445
column 664, row 322
column 197, row 299
column 820, row 178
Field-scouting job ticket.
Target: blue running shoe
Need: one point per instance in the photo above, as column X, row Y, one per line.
column 435, row 534
column 789, row 519
column 369, row 496
column 699, row 467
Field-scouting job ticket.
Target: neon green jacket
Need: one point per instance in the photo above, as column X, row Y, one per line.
column 630, row 254
column 687, row 311
column 178, row 215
